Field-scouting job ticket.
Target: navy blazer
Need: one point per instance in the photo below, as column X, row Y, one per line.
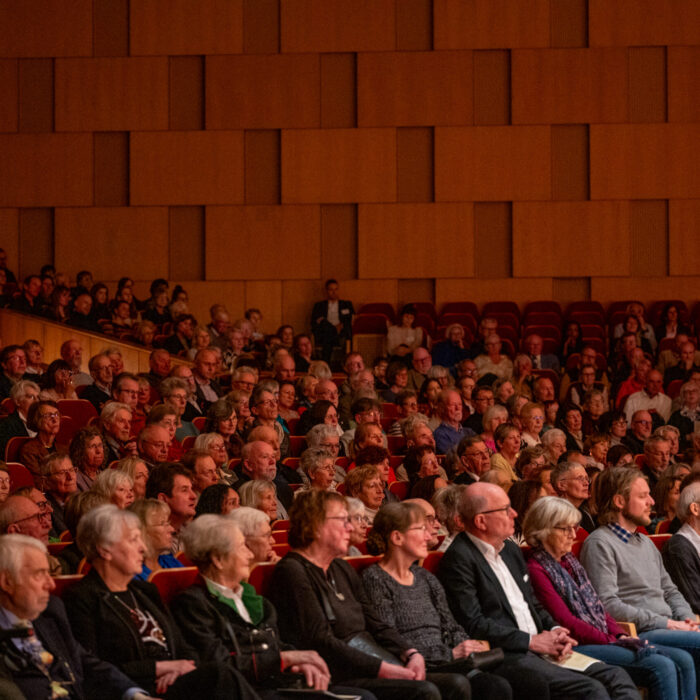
column 477, row 599
column 345, row 313
column 94, row 678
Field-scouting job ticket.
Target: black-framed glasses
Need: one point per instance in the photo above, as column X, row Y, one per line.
column 504, row 509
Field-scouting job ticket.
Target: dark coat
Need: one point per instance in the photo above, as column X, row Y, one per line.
column 477, row 599
column 100, row 626
column 12, row 426
column 93, row 678
column 345, row 313
column 95, row 396
column 683, row 565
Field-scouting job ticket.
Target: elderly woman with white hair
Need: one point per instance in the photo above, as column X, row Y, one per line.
column 493, row 417
column 554, row 443
column 255, row 526
column 215, row 445
column 226, row 619
column 123, row 620
column 681, row 553
column 116, row 486
column 564, row 589
column 318, row 466
column 260, row 494
column 157, row 536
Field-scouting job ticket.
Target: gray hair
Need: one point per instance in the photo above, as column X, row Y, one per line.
column 19, row 389
column 551, row 435
column 143, row 508
column 170, row 384
column 12, row 549
column 108, row 480
column 103, row 527
column 248, row 520
column 204, row 441
column 653, row 440
column 354, row 505
column 251, row 491
column 446, row 504
column 47, row 464
column 662, row 430
column 207, row 536
column 690, row 494
column 684, row 388
column 110, row 410
column 311, row 459
column 320, row 370
column 319, row 433
column 127, row 465
column 544, row 515
column 560, row 471
column 491, row 413
column 410, row 423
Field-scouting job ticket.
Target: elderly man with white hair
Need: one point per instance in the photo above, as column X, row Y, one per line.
column 43, row 633
column 23, row 394
column 681, row 554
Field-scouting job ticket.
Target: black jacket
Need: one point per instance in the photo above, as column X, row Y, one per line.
column 93, row 678
column 683, row 565
column 98, row 623
column 95, row 396
column 12, row 426
column 477, row 599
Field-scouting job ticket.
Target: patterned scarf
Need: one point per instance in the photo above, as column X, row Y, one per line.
column 573, row 586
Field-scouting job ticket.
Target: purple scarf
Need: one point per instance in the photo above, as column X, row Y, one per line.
column 571, row 582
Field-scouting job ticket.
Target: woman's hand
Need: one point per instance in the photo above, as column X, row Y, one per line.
column 303, row 656
column 468, row 646
column 417, row 664
column 315, row 678
column 387, row 670
column 167, row 672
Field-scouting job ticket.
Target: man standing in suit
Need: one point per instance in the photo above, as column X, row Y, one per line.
column 331, row 321
column 490, row 595
column 46, row 659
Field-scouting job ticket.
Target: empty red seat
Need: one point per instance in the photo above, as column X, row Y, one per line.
column 432, row 561
column 544, row 306
column 297, row 444
column 460, row 307
column 399, row 489
column 20, row 476
column 425, row 307
column 260, row 576
column 370, row 323
column 378, row 307
column 14, row 445
column 170, row 582
column 63, row 583
column 199, row 422
column 497, row 307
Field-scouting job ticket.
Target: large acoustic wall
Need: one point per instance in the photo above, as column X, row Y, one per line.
column 415, row 149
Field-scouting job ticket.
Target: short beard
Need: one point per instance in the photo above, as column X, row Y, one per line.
column 638, row 520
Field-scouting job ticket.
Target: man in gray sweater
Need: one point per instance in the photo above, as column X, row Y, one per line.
column 626, row 568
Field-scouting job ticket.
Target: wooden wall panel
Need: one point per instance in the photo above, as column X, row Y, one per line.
column 492, row 87
column 414, row 25
column 111, row 94
column 290, row 237
column 45, row 28
column 50, row 170
column 203, row 294
column 262, row 167
column 337, row 25
column 263, row 92
column 684, row 242
column 415, row 88
column 568, row 289
column 569, row 23
column 493, row 240
column 186, row 93
column 339, row 241
column 565, row 86
column 643, row 22
column 182, row 27
column 647, row 81
column 186, row 243
column 36, row 239
column 136, row 234
column 415, row 164
column 36, row 95
column 684, row 83
column 645, row 161
column 111, row 169
column 570, row 166
column 261, row 26
column 110, row 26
column 338, row 165
column 9, row 90
column 9, row 238
column 338, row 90
column 646, row 289
column 181, row 167
column 565, row 239
column 491, row 24
column 648, row 238
column 266, row 296
column 440, row 238
column 494, row 163
column 482, row 290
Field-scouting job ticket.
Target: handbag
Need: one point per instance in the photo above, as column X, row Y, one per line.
column 485, row 660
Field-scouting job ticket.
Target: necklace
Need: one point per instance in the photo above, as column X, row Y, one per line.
column 139, row 617
column 331, row 582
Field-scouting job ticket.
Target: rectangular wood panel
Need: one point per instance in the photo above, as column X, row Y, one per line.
column 289, row 236
column 415, row 88
column 111, row 94
column 338, row 165
column 186, row 93
column 569, row 86
column 482, row 290
column 45, row 28
column 36, row 95
column 9, row 104
column 643, row 22
column 338, row 25
column 565, row 239
column 647, row 79
column 414, row 25
column 186, row 243
column 415, row 165
column 646, row 289
column 648, row 238
column 263, row 92
column 339, row 241
column 261, row 26
column 36, row 239
column 338, row 90
column 415, row 240
column 684, row 242
column 493, row 239
column 684, row 83
column 492, row 163
column 645, row 161
column 49, row 170
column 183, row 27
column 262, row 167
column 569, row 23
column 570, row 166
column 266, row 296
column 492, row 103
column 137, row 234
column 187, row 167
column 491, row 24
column 110, row 24
column 111, row 169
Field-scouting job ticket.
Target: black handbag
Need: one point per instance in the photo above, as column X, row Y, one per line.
column 485, row 660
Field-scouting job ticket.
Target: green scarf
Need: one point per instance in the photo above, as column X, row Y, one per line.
column 251, row 600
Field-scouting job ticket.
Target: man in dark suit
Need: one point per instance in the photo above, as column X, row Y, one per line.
column 331, row 320
column 533, row 346
column 488, row 590
column 25, row 604
column 207, row 389
column 100, row 392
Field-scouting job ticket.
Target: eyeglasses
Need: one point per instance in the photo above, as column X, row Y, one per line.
column 504, row 509
column 347, row 520
column 37, row 516
column 479, row 453
column 159, row 445
column 5, row 480
column 64, row 472
column 52, row 415
column 568, row 529
column 268, row 403
column 423, row 528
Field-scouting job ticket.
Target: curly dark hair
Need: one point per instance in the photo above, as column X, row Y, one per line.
column 79, row 443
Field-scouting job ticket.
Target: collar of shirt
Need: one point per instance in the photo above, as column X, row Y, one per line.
column 690, row 534
column 620, row 532
column 488, row 550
